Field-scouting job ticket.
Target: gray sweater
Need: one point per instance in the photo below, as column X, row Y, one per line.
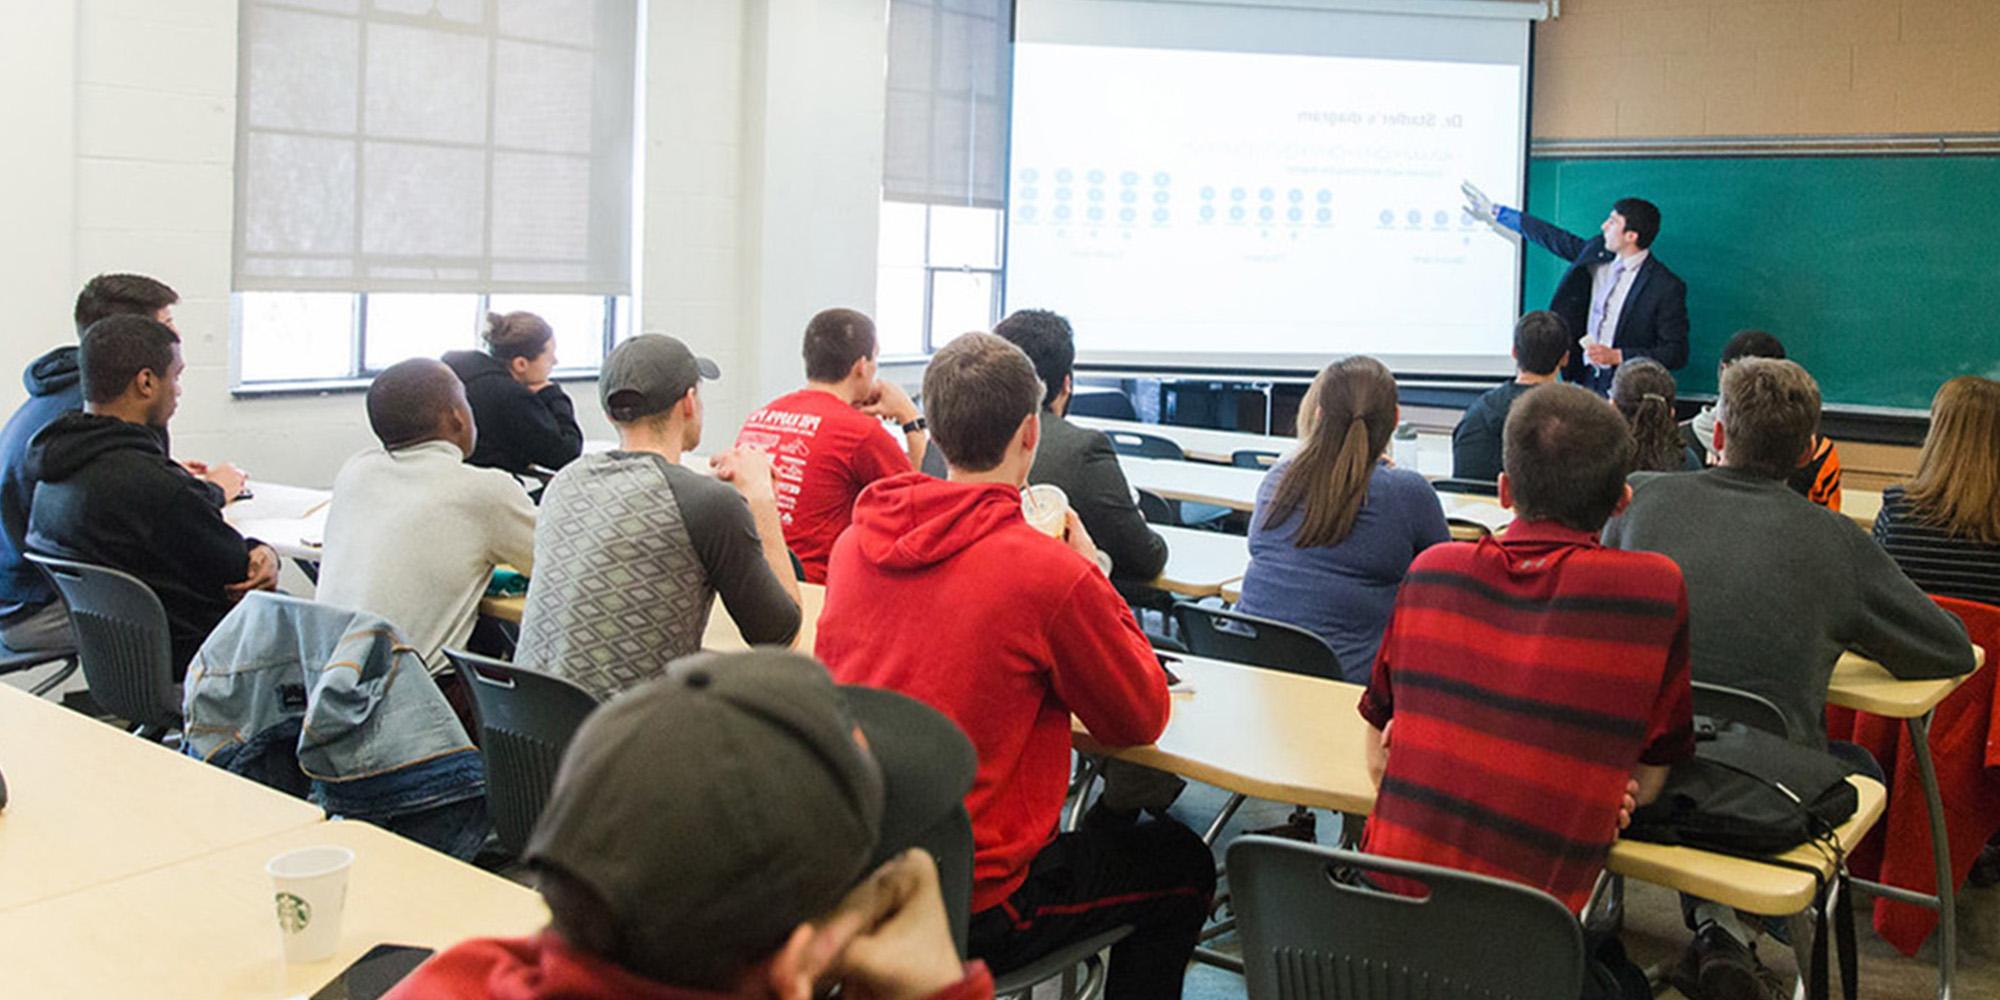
column 1778, row 587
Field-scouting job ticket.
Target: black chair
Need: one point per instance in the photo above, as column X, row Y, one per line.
column 950, row 844
column 1468, row 487
column 526, row 718
column 1737, row 705
column 121, row 642
column 1315, row 927
column 1109, row 405
column 1152, row 446
column 12, row 661
column 1252, row 458
column 1259, row 642
column 1155, row 508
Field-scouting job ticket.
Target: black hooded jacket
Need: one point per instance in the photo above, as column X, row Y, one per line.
column 517, row 428
column 107, row 493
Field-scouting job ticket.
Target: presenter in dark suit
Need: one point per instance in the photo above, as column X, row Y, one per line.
column 1623, row 300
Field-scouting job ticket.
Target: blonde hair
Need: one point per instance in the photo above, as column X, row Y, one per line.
column 1344, row 423
column 1957, row 486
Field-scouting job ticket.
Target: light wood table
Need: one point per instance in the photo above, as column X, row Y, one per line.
column 1861, row 505
column 88, row 804
column 1194, row 482
column 1288, row 738
column 290, row 519
column 1201, row 563
column 205, row 927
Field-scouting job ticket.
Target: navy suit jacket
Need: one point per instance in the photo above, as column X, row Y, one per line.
column 1652, row 323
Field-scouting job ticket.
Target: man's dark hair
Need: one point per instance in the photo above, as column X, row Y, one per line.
column 121, row 295
column 1642, row 219
column 835, row 340
column 408, row 401
column 1567, row 453
column 1769, row 413
column 1048, row 341
column 1752, row 344
column 117, row 348
column 977, row 391
column 1541, row 340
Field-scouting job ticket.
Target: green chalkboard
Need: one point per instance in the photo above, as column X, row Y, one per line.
column 1878, row 273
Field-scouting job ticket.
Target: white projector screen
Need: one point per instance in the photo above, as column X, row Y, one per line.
column 1244, row 187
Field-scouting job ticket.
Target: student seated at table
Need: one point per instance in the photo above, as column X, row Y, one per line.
column 1643, row 392
column 1818, row 479
column 1335, row 526
column 1541, row 349
column 943, row 591
column 1079, row 460
column 1943, row 527
column 632, row 548
column 413, row 533
column 525, row 420
column 1778, row 588
column 32, row 616
column 826, row 441
column 775, row 870
column 107, row 493
column 1533, row 688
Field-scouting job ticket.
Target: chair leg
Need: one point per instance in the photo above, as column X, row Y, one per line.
column 1086, row 776
column 1222, row 818
column 1920, row 736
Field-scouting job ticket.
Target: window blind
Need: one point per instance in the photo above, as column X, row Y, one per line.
column 946, row 134
column 435, row 145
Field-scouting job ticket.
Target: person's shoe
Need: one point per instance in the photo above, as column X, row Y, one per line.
column 1718, row 967
column 1301, row 825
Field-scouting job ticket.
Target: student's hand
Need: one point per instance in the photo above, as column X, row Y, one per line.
column 263, row 573
column 746, row 469
column 1077, row 538
column 887, row 399
column 901, row 945
column 1629, row 803
column 227, row 477
column 194, row 468
column 1602, row 356
column 1477, row 204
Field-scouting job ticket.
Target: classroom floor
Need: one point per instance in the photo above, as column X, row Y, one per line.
column 1653, row 929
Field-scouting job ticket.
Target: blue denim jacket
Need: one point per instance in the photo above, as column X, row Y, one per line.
column 338, row 693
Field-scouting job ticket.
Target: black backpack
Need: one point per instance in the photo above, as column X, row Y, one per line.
column 1751, row 794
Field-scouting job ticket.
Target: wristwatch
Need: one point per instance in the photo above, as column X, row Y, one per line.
column 916, row 425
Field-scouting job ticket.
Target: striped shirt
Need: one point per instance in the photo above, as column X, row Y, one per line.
column 1526, row 677
column 1932, row 557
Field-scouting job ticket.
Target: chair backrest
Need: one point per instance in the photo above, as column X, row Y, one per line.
column 1259, row 642
column 1737, row 705
column 1253, row 458
column 1469, row 487
column 526, row 719
column 121, row 640
column 1315, row 927
column 1155, row 508
column 1108, row 405
column 1144, row 445
column 950, row 845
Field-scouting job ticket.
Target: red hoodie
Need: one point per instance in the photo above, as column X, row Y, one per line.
column 942, row 591
column 545, row 967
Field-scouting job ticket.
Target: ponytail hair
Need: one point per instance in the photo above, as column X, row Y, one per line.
column 1345, row 423
column 1643, row 391
column 517, row 335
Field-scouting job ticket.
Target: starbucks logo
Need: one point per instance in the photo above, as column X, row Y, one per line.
column 293, row 913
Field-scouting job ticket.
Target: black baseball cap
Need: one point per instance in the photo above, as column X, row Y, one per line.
column 648, row 374
column 727, row 802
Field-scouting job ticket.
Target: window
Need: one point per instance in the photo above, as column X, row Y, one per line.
column 943, row 184
column 319, row 336
column 405, row 165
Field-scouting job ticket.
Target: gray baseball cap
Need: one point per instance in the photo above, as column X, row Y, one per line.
column 648, row 374
column 722, row 805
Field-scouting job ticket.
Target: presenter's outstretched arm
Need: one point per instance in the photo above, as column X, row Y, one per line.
column 1555, row 239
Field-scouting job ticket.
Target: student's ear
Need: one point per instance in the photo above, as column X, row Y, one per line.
column 1029, row 436
column 1506, row 492
column 793, row 971
column 1717, row 441
column 858, row 372
column 1624, row 500
column 1806, row 455
column 518, row 367
column 1564, row 363
column 146, row 384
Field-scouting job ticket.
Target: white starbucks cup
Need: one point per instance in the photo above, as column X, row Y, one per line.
column 1046, row 507
column 308, row 894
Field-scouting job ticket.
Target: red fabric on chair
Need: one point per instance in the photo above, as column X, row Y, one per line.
column 1965, row 747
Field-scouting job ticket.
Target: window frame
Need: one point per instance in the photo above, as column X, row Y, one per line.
column 997, row 272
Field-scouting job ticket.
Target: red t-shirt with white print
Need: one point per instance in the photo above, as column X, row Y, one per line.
column 823, row 452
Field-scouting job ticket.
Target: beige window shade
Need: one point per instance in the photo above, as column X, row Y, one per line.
column 436, row 145
column 946, row 138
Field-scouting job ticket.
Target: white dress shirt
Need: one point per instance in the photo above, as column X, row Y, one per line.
column 1607, row 331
